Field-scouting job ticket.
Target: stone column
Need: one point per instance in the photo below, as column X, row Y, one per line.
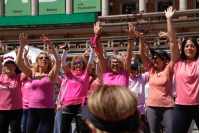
column 142, row 5
column 1, row 8
column 105, row 8
column 69, row 7
column 182, row 4
column 34, row 7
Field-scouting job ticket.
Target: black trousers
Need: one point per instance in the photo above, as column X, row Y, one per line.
column 68, row 113
column 34, row 117
column 183, row 116
column 12, row 118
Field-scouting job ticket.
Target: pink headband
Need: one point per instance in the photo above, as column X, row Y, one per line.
column 78, row 60
column 9, row 57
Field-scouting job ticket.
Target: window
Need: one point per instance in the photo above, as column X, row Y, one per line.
column 128, row 8
column 162, row 5
column 197, row 4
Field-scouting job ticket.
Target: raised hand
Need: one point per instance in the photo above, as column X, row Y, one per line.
column 133, row 57
column 46, row 40
column 23, row 40
column 96, row 59
column 29, row 58
column 116, row 51
column 97, row 28
column 130, row 31
column 64, row 47
column 26, row 52
column 163, row 34
column 169, row 13
column 86, row 52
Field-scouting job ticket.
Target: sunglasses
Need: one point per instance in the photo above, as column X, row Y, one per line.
column 115, row 62
column 134, row 68
column 155, row 58
column 9, row 66
column 46, row 58
column 80, row 63
column 93, row 69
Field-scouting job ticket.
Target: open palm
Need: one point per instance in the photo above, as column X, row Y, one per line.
column 97, row 28
column 23, row 40
column 47, row 41
column 170, row 13
column 130, row 31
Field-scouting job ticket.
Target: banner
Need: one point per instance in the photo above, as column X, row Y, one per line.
column 17, row 7
column 47, row 7
column 81, row 6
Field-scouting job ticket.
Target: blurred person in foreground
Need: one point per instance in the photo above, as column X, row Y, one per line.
column 116, row 116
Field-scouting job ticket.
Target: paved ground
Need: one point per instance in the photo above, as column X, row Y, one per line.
column 195, row 130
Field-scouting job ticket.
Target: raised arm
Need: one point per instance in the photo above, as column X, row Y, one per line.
column 98, row 69
column 25, row 57
column 175, row 54
column 143, row 57
column 64, row 58
column 91, row 60
column 102, row 61
column 25, row 69
column 86, row 53
column 53, row 74
column 130, row 32
column 1, row 58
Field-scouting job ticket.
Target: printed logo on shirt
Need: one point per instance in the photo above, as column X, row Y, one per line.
column 27, row 85
column 78, row 80
column 7, row 87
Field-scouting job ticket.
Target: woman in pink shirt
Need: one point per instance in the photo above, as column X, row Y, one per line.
column 10, row 96
column 44, row 76
column 186, row 68
column 160, row 101
column 116, row 72
column 78, row 83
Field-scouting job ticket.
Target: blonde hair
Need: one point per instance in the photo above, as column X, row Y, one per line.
column 35, row 65
column 79, row 57
column 105, row 104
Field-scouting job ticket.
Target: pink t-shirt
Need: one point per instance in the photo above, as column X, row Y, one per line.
column 160, row 87
column 93, row 85
column 187, row 79
column 121, row 78
column 41, row 93
column 77, row 88
column 26, row 84
column 137, row 85
column 10, row 92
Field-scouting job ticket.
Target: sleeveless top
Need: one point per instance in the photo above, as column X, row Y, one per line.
column 41, row 93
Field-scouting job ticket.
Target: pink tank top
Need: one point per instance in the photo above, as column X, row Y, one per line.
column 41, row 93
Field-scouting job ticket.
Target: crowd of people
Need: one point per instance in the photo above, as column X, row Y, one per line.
column 104, row 95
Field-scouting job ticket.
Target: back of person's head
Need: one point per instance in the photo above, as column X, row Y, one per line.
column 112, row 109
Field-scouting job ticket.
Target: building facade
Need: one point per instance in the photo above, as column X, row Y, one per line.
column 114, row 17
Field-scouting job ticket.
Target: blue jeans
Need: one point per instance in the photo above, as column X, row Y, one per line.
column 24, row 122
column 57, row 122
